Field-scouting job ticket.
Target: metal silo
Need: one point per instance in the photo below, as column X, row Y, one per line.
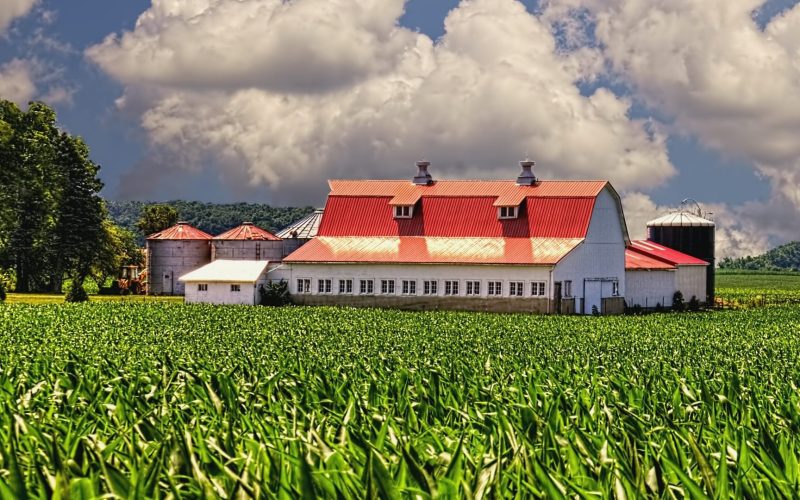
column 173, row 252
column 688, row 232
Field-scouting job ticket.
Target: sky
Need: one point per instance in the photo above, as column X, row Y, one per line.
column 264, row 100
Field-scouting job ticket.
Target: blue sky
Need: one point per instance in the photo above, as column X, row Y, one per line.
column 129, row 141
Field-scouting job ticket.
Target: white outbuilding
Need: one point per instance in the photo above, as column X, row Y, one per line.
column 653, row 273
column 226, row 282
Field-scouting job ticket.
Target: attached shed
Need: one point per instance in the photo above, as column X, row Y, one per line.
column 226, row 282
column 653, row 273
column 648, row 281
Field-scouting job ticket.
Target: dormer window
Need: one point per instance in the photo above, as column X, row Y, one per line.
column 403, row 211
column 508, row 212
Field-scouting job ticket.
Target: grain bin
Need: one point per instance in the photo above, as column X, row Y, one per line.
column 688, row 232
column 173, row 252
column 247, row 242
column 299, row 233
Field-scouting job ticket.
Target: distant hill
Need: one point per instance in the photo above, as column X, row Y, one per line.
column 212, row 218
column 783, row 258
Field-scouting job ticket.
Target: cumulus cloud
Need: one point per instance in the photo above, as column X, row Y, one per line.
column 12, row 9
column 349, row 93
column 303, row 46
column 17, row 81
column 709, row 67
column 740, row 230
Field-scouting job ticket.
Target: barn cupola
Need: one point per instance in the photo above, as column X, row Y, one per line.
column 526, row 176
column 423, row 177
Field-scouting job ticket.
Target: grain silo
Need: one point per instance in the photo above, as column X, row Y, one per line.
column 173, row 252
column 688, row 232
column 299, row 233
column 247, row 242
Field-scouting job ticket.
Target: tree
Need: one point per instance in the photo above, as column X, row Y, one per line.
column 27, row 184
column 79, row 231
column 51, row 214
column 118, row 249
column 156, row 217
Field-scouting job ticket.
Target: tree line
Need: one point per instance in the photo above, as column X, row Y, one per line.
column 53, row 223
column 213, row 218
column 783, row 258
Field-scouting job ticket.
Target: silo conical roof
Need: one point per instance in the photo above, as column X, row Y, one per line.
column 180, row 231
column 681, row 219
column 247, row 231
column 305, row 228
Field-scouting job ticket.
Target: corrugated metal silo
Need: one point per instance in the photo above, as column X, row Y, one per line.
column 173, row 252
column 691, row 234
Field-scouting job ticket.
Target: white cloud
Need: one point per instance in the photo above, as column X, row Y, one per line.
column 308, row 45
column 348, row 93
column 12, row 9
column 709, row 67
column 740, row 230
column 17, row 81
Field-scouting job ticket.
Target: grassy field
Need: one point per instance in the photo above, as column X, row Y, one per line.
column 165, row 400
column 758, row 281
column 42, row 298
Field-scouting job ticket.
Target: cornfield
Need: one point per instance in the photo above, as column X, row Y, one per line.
column 159, row 400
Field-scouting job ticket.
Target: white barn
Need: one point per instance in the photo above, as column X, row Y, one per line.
column 653, row 273
column 506, row 246
column 226, row 282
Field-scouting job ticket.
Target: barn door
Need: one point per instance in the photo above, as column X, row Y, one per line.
column 557, row 297
column 593, row 296
column 166, row 285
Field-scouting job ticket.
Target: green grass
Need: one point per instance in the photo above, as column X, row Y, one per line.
column 158, row 400
column 43, row 298
column 759, row 281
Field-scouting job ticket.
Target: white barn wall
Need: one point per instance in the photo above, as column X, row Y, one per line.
column 691, row 280
column 220, row 293
column 647, row 288
column 600, row 256
column 418, row 272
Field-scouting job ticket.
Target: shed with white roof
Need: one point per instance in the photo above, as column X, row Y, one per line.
column 226, row 282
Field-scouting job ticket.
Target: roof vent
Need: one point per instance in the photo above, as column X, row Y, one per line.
column 423, row 177
column 526, row 177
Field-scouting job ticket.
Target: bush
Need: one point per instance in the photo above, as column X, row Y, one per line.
column 76, row 293
column 275, row 294
column 694, row 304
column 2, row 292
column 677, row 302
column 659, row 308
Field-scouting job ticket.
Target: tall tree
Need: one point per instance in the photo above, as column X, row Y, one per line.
column 28, row 174
column 51, row 215
column 156, row 217
column 79, row 233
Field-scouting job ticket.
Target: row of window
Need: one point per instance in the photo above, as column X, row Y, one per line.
column 429, row 287
column 203, row 287
column 407, row 211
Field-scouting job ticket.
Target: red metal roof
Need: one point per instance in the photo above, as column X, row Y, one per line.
column 434, row 250
column 180, row 231
column 247, row 231
column 635, row 261
column 457, row 217
column 500, row 188
column 665, row 254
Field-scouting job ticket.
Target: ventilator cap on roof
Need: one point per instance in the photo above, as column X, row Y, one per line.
column 526, row 177
column 423, row 177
